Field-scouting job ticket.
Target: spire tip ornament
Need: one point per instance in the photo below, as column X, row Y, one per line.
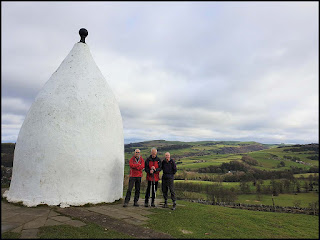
column 83, row 34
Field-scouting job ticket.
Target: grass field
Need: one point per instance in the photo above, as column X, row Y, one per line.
column 284, row 200
column 10, row 235
column 266, row 161
column 305, row 175
column 206, row 221
column 224, row 184
column 269, row 158
column 194, row 163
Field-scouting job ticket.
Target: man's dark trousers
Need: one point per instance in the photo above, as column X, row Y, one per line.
column 150, row 185
column 137, row 182
column 168, row 183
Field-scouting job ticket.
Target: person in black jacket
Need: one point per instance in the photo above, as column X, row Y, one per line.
column 169, row 168
column 152, row 168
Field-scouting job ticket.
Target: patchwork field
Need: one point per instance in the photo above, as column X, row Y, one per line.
column 202, row 165
column 194, row 155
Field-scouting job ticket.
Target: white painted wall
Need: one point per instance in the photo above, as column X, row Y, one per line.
column 70, row 148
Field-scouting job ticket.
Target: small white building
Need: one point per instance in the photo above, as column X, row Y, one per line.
column 70, row 148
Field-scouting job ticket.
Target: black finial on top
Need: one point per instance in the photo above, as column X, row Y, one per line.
column 83, row 34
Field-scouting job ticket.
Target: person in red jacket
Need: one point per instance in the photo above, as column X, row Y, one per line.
column 136, row 166
column 153, row 167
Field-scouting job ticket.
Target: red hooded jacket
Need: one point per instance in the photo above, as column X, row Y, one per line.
column 136, row 166
column 156, row 162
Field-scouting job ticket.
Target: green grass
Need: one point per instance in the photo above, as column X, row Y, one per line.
column 267, row 163
column 208, row 221
column 126, row 169
column 224, row 184
column 265, row 158
column 190, row 195
column 10, row 235
column 284, row 200
column 5, row 185
column 209, row 160
column 305, row 175
column 69, row 232
column 195, row 181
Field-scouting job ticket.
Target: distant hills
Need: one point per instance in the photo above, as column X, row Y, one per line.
column 199, row 148
column 7, row 150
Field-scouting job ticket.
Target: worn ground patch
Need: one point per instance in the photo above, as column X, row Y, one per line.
column 120, row 223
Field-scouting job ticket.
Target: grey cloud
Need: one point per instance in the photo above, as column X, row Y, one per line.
column 232, row 70
column 15, row 89
column 14, row 106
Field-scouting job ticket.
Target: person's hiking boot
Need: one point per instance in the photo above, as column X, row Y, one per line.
column 136, row 204
column 165, row 205
column 125, row 204
column 174, row 205
column 146, row 203
column 152, row 204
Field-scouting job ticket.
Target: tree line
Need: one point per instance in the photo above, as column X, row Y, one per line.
column 235, row 171
column 219, row 193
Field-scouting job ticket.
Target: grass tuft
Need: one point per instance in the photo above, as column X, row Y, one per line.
column 10, row 235
column 90, row 231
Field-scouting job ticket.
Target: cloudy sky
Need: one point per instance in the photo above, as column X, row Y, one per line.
column 186, row 71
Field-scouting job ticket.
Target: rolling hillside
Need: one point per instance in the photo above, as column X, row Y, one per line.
column 191, row 156
column 241, row 172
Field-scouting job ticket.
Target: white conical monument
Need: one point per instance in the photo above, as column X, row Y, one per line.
column 70, row 148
